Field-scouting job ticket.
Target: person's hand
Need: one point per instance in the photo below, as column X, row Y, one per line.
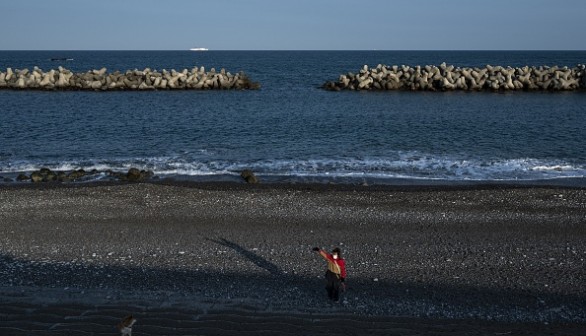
column 316, row 249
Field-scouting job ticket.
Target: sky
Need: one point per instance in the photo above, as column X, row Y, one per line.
column 293, row 24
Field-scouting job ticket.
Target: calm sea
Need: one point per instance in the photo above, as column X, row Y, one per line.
column 290, row 130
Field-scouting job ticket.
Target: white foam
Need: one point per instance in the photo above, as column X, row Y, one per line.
column 553, row 168
column 401, row 165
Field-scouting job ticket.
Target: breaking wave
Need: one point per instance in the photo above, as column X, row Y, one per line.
column 402, row 165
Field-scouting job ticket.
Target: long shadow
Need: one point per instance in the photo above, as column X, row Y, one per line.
column 293, row 293
column 256, row 259
column 302, row 308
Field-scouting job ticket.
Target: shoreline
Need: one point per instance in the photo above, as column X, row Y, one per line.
column 133, row 174
column 237, row 183
column 499, row 255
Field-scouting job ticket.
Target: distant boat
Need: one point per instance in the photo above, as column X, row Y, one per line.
column 199, row 49
column 61, row 59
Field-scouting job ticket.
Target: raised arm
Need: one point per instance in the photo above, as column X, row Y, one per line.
column 324, row 254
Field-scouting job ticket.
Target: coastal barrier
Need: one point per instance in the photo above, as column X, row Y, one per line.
column 80, row 175
column 448, row 77
column 147, row 79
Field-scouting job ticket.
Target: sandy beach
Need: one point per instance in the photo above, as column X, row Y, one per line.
column 236, row 259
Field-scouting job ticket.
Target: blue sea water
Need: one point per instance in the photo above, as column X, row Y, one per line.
column 290, row 129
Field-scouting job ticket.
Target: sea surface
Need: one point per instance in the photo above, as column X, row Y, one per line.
column 291, row 130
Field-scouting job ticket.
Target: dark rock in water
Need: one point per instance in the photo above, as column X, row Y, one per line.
column 133, row 174
column 146, row 174
column 249, row 176
column 37, row 177
column 117, row 175
column 76, row 174
column 138, row 175
column 43, row 175
column 45, row 171
column 7, row 180
column 49, row 177
column 22, row 177
column 62, row 177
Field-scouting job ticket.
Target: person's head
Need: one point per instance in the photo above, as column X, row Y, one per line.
column 337, row 253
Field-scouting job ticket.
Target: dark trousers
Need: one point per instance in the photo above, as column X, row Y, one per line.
column 333, row 285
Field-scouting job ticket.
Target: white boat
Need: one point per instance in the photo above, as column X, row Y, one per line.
column 199, row 49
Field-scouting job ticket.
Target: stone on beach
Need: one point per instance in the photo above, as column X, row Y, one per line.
column 22, row 177
column 249, row 177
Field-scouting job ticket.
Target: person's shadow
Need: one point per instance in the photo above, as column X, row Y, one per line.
column 256, row 259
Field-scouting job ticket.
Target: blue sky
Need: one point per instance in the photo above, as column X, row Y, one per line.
column 293, row 24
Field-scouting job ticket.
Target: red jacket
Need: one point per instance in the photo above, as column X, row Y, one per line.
column 337, row 266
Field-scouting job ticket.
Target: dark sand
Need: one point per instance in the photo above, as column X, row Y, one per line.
column 233, row 259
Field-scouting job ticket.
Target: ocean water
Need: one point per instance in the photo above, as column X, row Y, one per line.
column 290, row 129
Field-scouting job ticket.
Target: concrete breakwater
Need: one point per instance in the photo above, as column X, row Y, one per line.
column 147, row 79
column 448, row 77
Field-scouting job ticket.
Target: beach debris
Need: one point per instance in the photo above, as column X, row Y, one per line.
column 248, row 176
column 448, row 78
column 143, row 80
column 125, row 326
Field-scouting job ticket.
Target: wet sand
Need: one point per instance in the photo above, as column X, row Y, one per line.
column 236, row 259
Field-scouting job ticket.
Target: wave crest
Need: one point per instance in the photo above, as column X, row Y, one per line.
column 407, row 165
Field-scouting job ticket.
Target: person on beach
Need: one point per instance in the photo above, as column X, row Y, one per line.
column 336, row 273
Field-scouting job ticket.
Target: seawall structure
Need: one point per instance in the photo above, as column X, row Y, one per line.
column 147, row 79
column 448, row 77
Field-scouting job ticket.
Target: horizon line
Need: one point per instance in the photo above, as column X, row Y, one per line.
column 204, row 51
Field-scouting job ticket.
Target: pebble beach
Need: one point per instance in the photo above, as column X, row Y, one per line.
column 236, row 259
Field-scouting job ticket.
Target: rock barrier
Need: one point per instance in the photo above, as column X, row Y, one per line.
column 147, row 79
column 48, row 175
column 448, row 77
